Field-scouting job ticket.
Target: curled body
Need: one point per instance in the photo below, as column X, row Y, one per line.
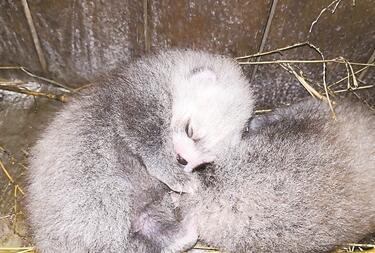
column 107, row 161
column 298, row 182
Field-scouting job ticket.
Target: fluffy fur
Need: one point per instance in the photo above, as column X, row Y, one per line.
column 298, row 182
column 208, row 112
column 102, row 167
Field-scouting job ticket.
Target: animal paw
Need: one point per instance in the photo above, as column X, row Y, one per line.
column 186, row 238
column 184, row 183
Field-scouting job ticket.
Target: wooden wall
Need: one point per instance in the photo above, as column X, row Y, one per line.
column 81, row 39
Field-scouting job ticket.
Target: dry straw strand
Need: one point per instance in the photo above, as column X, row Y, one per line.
column 16, row 190
column 335, row 3
column 18, row 250
column 26, row 91
column 313, row 92
column 34, row 35
column 324, row 77
column 265, row 34
column 336, row 60
column 299, row 44
column 351, row 89
column 26, row 71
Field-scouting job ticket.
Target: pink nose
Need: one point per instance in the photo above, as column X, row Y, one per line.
column 181, row 160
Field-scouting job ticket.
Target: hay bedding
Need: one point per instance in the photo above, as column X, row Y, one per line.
column 13, row 166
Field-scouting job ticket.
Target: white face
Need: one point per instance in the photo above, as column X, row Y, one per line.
column 207, row 118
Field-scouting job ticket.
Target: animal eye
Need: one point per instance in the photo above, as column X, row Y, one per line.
column 188, row 130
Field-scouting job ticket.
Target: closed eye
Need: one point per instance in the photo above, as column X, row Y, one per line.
column 190, row 133
column 189, row 130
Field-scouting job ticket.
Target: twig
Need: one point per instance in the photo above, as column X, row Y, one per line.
column 23, row 90
column 11, row 82
column 201, row 246
column 354, row 89
column 16, row 189
column 145, row 26
column 82, row 87
column 360, row 245
column 266, row 31
column 302, row 80
column 18, row 250
column 354, row 78
column 314, row 93
column 260, row 111
column 300, row 44
column 10, row 178
column 23, row 69
column 348, row 76
column 363, row 101
column 12, row 158
column 371, row 60
column 337, row 2
column 324, row 77
column 7, row 174
column 31, row 250
column 336, row 60
column 34, row 35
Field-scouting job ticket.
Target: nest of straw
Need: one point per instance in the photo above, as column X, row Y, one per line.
column 13, row 166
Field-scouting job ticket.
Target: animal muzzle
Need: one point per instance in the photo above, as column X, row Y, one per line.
column 181, row 160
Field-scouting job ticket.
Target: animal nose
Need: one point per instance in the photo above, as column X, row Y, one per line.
column 181, row 160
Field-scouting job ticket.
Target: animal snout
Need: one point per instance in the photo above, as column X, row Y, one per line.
column 181, row 160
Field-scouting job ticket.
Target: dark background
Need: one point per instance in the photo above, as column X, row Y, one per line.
column 81, row 39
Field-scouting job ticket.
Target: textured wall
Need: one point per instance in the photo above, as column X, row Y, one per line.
column 81, row 39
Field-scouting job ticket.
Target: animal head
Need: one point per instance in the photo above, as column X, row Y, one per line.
column 211, row 105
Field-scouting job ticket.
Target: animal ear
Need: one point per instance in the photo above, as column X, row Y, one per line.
column 203, row 74
column 258, row 122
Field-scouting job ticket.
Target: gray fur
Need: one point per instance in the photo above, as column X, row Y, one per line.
column 299, row 182
column 104, row 165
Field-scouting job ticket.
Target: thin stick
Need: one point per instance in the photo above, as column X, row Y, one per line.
column 300, row 44
column 371, row 60
column 314, row 93
column 83, row 87
column 265, row 36
column 26, row 91
column 145, row 26
column 23, row 69
column 354, row 89
column 10, row 178
column 324, row 77
column 27, row 251
column 18, row 250
column 360, row 245
column 347, row 77
column 12, row 83
column 34, row 35
column 7, row 174
column 363, row 101
column 337, row 2
column 260, row 111
column 12, row 158
column 336, row 60
column 354, row 78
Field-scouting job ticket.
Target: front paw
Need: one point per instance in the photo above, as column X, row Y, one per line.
column 184, row 183
column 186, row 238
